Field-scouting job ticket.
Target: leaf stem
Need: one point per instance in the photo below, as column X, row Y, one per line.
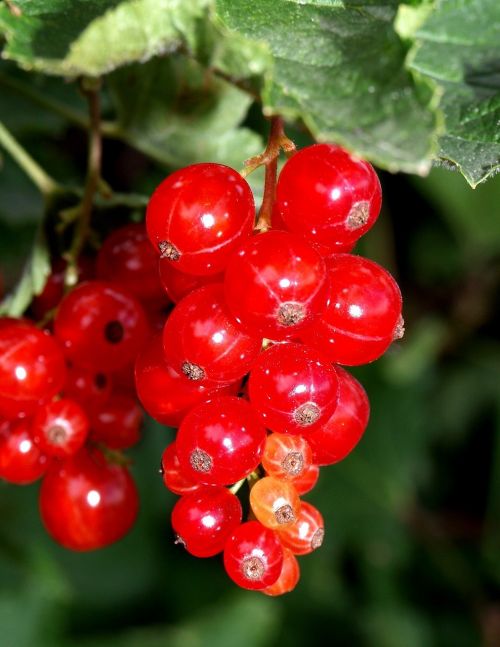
column 42, row 180
column 277, row 140
column 90, row 88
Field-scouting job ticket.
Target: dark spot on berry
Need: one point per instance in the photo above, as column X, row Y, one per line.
column 293, row 463
column 57, row 435
column 100, row 381
column 284, row 515
column 358, row 215
column 306, row 414
column 193, row 371
column 317, row 538
column 399, row 331
column 291, row 313
column 253, row 568
column 167, row 250
column 114, row 332
column 200, row 461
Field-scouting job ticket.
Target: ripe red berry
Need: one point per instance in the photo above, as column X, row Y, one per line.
column 117, row 422
column 307, row 480
column 32, row 367
column 334, row 440
column 253, row 556
column 203, row 520
column 90, row 388
column 276, row 284
column 202, row 340
column 364, row 313
column 274, row 502
column 327, row 195
column 292, row 388
column 127, row 258
column 86, row 502
column 306, row 534
column 199, row 215
column 101, row 325
column 60, row 427
column 286, row 456
column 289, row 576
column 221, row 441
column 166, row 395
column 173, row 476
column 177, row 284
column 21, row 460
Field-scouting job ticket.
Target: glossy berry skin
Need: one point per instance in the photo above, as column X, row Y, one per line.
column 199, row 215
column 286, row 456
column 166, row 395
column 117, row 422
column 306, row 534
column 364, row 313
column 334, row 440
column 253, row 556
column 172, row 474
column 292, row 388
column 21, row 460
column 126, row 258
column 90, row 388
column 101, row 326
column 307, row 480
column 60, row 428
column 178, row 284
column 86, row 502
column 328, row 195
column 202, row 340
column 274, row 502
column 203, row 520
column 289, row 576
column 32, row 367
column 221, row 441
column 276, row 284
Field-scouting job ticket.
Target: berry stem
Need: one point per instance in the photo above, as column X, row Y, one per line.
column 277, row 140
column 237, row 486
column 45, row 184
column 90, row 88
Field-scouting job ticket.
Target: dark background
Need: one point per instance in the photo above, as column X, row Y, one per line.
column 411, row 556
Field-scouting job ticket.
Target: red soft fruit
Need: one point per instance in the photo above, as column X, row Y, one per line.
column 307, row 480
column 173, row 476
column 117, row 422
column 289, row 576
column 274, row 502
column 178, row 284
column 60, row 428
column 306, row 534
column 286, row 456
column 21, row 460
column 90, row 388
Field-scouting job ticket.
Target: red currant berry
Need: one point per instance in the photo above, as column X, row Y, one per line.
column 289, row 576
column 341, row 433
column 100, row 325
column 286, row 456
column 166, row 395
column 221, row 441
column 32, row 367
column 60, row 427
column 117, row 423
column 274, row 502
column 292, row 388
column 127, row 258
column 202, row 341
column 307, row 480
column 203, row 520
column 178, row 285
column 21, row 460
column 86, row 502
column 276, row 284
column 306, row 534
column 253, row 556
column 173, row 476
column 362, row 318
column 326, row 194
column 89, row 388
column 199, row 215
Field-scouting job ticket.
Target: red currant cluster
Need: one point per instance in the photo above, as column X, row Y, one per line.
column 247, row 363
column 67, row 397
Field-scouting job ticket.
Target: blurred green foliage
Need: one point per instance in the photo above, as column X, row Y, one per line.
column 412, row 551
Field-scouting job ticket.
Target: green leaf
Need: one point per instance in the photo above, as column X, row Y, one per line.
column 32, row 281
column 340, row 67
column 176, row 113
column 457, row 46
